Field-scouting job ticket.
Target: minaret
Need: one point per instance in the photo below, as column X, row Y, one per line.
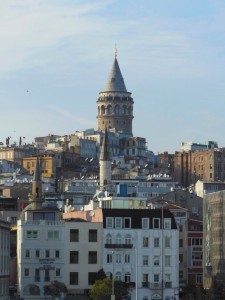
column 115, row 104
column 36, row 196
column 105, row 162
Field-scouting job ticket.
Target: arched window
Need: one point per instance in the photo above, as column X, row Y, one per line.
column 118, row 276
column 117, row 109
column 118, row 239
column 127, row 239
column 127, row 277
column 124, row 110
column 108, row 239
column 102, row 110
column 109, row 109
column 108, row 275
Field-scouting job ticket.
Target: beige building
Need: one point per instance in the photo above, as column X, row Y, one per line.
column 83, row 249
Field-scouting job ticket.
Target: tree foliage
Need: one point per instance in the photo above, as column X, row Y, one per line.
column 102, row 289
column 55, row 289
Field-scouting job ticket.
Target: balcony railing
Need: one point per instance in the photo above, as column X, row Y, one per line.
column 130, row 285
column 47, row 278
column 117, row 246
column 168, row 284
column 155, row 285
column 37, row 278
column 145, row 284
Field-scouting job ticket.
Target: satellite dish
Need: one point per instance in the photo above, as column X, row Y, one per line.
column 91, row 213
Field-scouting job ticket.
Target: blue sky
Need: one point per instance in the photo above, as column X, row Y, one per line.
column 171, row 54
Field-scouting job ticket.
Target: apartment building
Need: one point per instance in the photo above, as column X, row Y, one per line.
column 140, row 247
column 4, row 259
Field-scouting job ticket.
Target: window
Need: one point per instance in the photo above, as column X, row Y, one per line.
column 127, row 258
column 145, row 280
column 92, row 257
column 74, row 235
column 180, row 243
column 32, row 234
column 57, row 254
column 145, row 223
column 47, row 275
column 156, row 277
column 181, row 258
column 27, row 253
column 127, row 277
column 167, row 261
column 199, row 278
column 118, row 276
column 47, row 253
column 57, row 272
column 108, row 239
column 127, row 222
column 37, row 275
column 109, row 258
column 156, row 260
column 181, row 274
column 156, row 223
column 92, row 276
column 118, row 258
column 156, row 242
column 109, row 222
column 37, row 253
column 118, row 222
column 145, row 242
column 73, row 278
column 167, row 242
column 196, row 242
column 92, row 235
column 74, row 257
column 118, row 239
column 26, row 272
column 128, row 239
column 167, row 223
column 145, row 260
column 53, row 235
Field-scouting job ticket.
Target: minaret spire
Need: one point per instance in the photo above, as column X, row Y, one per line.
column 115, row 51
column 36, row 196
column 105, row 162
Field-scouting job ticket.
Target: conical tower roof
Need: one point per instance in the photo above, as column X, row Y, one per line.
column 115, row 81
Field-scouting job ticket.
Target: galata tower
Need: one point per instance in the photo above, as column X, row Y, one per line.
column 115, row 104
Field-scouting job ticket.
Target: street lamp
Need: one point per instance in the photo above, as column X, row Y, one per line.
column 136, row 273
column 113, row 293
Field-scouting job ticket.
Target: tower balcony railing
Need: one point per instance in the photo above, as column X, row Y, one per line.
column 119, row 246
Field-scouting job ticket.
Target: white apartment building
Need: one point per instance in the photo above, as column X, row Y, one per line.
column 143, row 251
column 4, row 259
column 40, row 251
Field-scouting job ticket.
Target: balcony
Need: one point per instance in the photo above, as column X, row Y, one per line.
column 37, row 278
column 168, row 285
column 47, row 278
column 130, row 285
column 145, row 284
column 155, row 285
column 119, row 246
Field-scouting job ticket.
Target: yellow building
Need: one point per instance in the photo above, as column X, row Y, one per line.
column 48, row 164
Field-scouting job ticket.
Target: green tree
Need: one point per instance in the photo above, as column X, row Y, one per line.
column 55, row 289
column 102, row 289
